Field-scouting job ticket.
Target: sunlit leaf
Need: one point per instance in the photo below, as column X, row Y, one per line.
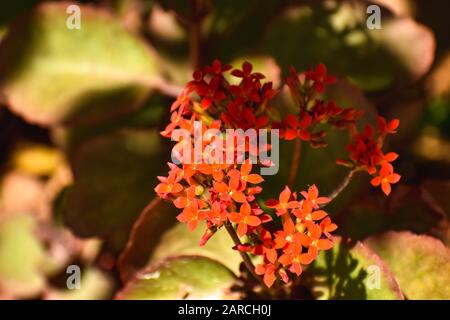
column 420, row 263
column 180, row 240
column 22, row 257
column 185, row 277
column 353, row 271
column 53, row 74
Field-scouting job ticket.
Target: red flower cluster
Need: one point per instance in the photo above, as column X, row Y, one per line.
column 306, row 230
column 365, row 148
column 305, row 89
column 224, row 194
column 366, row 153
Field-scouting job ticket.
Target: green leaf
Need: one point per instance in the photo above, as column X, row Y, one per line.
column 353, row 271
column 150, row 114
column 338, row 36
column 114, row 180
column 185, row 277
column 22, row 257
column 420, row 263
column 51, row 74
column 180, row 240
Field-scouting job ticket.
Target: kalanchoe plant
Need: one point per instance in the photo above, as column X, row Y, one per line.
column 284, row 235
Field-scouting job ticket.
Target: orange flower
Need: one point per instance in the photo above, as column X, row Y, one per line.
column 169, row 184
column 191, row 216
column 385, row 127
column 385, row 179
column 306, row 213
column 244, row 218
column 327, row 226
column 283, row 204
column 245, row 175
column 314, row 241
column 217, row 215
column 216, row 170
column 294, row 258
column 231, row 191
column 287, row 236
column 189, row 199
column 268, row 270
column 313, row 197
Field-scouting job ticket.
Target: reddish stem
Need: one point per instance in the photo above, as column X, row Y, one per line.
column 295, row 162
column 343, row 184
column 247, row 262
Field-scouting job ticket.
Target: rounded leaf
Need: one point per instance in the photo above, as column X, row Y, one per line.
column 184, row 277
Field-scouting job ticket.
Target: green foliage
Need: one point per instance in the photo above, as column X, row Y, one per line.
column 353, row 271
column 22, row 257
column 114, row 176
column 338, row 36
column 98, row 96
column 184, row 277
column 420, row 263
column 52, row 74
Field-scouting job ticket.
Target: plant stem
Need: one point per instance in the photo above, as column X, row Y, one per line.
column 343, row 184
column 247, row 262
column 295, row 162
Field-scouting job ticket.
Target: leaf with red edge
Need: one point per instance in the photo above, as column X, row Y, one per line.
column 420, row 263
column 352, row 271
column 145, row 236
column 51, row 74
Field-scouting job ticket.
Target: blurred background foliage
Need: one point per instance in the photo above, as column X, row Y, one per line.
column 80, row 112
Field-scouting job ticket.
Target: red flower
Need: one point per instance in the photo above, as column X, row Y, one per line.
column 385, row 179
column 210, row 92
column 189, row 199
column 191, row 216
column 283, row 204
column 306, row 213
column 246, row 72
column 314, row 242
column 290, row 238
column 217, row 215
column 244, row 174
column 169, row 184
column 312, row 196
column 232, row 190
column 296, row 128
column 244, row 218
column 327, row 226
column 320, row 77
column 216, row 68
column 385, row 127
column 268, row 271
